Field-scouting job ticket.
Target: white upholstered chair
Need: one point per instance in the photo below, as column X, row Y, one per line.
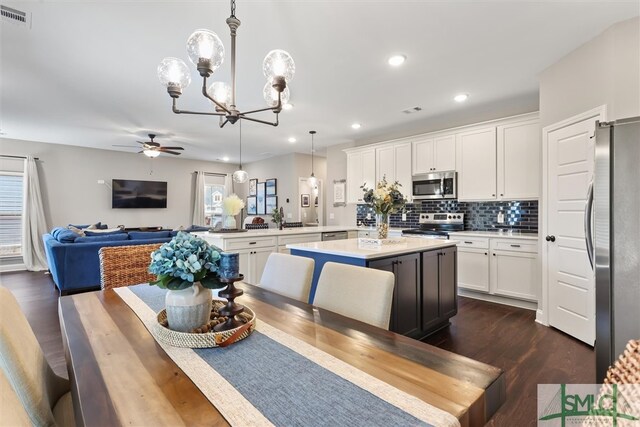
column 360, row 293
column 288, row 275
column 25, row 375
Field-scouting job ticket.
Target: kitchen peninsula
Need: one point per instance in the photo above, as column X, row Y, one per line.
column 425, row 294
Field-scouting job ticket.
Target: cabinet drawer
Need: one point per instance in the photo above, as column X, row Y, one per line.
column 300, row 238
column 258, row 242
column 471, row 242
column 366, row 233
column 530, row 246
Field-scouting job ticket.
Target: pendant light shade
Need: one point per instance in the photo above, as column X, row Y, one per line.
column 240, row 176
column 312, row 180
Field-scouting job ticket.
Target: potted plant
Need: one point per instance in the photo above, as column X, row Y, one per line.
column 384, row 199
column 231, row 206
column 277, row 217
column 189, row 268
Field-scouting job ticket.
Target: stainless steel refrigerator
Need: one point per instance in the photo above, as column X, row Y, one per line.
column 613, row 238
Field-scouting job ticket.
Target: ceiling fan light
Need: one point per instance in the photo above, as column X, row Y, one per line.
column 205, row 50
column 278, row 63
column 240, row 176
column 151, row 153
column 271, row 95
column 173, row 72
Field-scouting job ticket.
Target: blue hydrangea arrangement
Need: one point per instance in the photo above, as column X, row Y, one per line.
column 184, row 260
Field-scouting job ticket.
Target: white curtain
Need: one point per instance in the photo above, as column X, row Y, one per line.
column 197, row 217
column 228, row 185
column 33, row 221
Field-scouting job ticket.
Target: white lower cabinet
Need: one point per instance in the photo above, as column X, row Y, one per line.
column 252, row 263
column 283, row 241
column 502, row 267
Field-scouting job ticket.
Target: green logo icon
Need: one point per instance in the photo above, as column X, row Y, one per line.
column 585, row 403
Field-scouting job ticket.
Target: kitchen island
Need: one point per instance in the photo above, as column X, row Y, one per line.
column 424, row 297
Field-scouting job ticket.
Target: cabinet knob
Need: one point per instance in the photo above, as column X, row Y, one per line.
column 501, row 194
column 550, row 238
column 494, row 254
column 493, row 195
column 486, row 253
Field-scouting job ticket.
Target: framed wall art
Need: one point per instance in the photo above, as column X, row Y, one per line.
column 261, row 198
column 272, row 203
column 272, row 186
column 252, row 205
column 305, row 200
column 253, row 184
column 340, row 193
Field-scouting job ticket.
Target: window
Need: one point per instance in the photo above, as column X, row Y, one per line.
column 10, row 214
column 213, row 195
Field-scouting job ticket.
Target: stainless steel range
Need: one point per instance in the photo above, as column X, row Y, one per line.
column 436, row 225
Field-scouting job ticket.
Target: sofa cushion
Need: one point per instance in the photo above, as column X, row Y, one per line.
column 145, row 235
column 97, row 225
column 56, row 231
column 103, row 232
column 102, row 238
column 67, row 236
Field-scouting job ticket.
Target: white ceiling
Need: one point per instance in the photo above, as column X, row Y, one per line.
column 85, row 73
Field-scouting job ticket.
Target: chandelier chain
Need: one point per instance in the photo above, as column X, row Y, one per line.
column 233, row 8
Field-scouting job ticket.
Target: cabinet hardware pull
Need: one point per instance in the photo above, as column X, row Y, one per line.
column 515, row 246
column 486, row 253
column 494, row 254
column 469, row 243
column 493, row 195
column 400, row 262
column 252, row 243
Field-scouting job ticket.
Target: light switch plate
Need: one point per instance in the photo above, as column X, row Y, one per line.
column 331, row 215
column 289, row 215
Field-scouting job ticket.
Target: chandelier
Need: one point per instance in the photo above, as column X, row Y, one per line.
column 206, row 52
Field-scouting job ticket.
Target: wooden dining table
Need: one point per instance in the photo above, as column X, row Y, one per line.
column 119, row 373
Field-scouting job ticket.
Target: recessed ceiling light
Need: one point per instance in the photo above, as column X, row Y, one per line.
column 397, row 60
column 461, row 97
column 292, row 140
column 356, row 126
column 225, row 159
column 287, row 106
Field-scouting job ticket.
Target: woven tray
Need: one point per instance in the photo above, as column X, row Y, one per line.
column 203, row 340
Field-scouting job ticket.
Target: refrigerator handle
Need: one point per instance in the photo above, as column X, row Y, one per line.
column 588, row 232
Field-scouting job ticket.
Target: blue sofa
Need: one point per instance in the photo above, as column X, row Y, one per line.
column 73, row 261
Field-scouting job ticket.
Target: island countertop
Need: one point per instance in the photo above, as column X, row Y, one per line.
column 276, row 232
column 352, row 249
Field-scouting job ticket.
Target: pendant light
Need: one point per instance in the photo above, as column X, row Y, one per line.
column 240, row 176
column 312, row 180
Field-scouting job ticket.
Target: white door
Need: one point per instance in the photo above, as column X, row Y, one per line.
column 571, row 282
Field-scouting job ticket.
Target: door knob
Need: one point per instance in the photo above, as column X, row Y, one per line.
column 550, row 238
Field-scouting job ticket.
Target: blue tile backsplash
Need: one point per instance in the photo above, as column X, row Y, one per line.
column 518, row 215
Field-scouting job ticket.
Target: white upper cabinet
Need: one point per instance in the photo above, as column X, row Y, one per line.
column 434, row 154
column 519, row 166
column 394, row 163
column 476, row 161
column 361, row 169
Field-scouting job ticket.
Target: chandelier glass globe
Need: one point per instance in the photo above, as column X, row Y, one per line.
column 271, row 95
column 205, row 45
column 221, row 92
column 278, row 63
column 240, row 176
column 174, row 72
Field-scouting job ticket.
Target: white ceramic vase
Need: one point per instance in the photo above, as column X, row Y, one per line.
column 229, row 222
column 188, row 308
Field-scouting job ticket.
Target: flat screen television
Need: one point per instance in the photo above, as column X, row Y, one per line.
column 130, row 194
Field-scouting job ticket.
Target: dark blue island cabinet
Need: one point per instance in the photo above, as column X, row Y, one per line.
column 425, row 292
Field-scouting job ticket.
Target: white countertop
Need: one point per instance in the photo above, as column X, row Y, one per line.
column 506, row 234
column 275, row 232
column 350, row 248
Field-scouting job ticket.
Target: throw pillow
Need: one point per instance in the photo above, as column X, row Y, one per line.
column 102, row 232
column 67, row 236
column 89, row 226
column 56, row 231
column 76, row 230
column 107, row 238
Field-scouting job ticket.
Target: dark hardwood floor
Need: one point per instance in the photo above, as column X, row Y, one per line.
column 529, row 353
column 502, row 336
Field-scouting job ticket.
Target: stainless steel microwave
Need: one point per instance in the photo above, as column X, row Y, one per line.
column 439, row 185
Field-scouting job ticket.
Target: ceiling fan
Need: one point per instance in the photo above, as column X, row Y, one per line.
column 153, row 149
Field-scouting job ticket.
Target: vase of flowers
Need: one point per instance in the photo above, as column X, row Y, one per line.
column 231, row 206
column 385, row 199
column 189, row 268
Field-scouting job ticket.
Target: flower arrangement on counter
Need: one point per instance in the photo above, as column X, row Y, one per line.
column 384, row 199
column 232, row 205
column 184, row 260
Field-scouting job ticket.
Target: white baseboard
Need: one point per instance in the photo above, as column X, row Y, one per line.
column 12, row 267
column 541, row 318
column 499, row 300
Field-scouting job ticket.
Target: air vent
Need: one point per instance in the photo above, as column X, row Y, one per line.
column 412, row 110
column 15, row 16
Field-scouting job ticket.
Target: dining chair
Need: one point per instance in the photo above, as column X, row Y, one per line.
column 125, row 265
column 288, row 275
column 360, row 293
column 27, row 377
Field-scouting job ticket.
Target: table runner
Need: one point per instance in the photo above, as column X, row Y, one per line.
column 273, row 378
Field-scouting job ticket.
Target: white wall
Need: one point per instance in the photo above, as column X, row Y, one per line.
column 69, row 175
column 337, row 170
column 603, row 71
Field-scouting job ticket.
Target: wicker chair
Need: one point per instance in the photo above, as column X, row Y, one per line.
column 125, row 265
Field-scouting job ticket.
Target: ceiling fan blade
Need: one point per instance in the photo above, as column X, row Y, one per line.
column 169, row 151
column 140, row 152
column 128, row 146
column 149, row 143
column 172, row 148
